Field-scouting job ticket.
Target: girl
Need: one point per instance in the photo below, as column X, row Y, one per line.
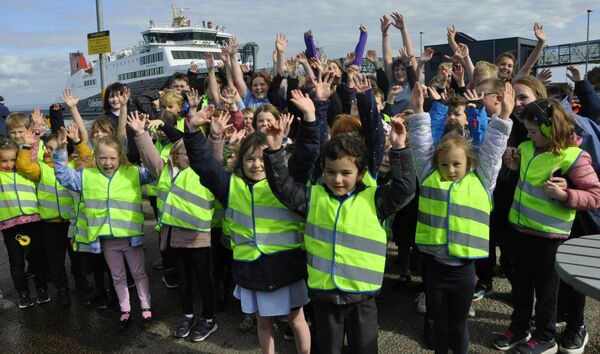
column 454, row 208
column 543, row 212
column 269, row 266
column 20, row 226
column 185, row 209
column 112, row 196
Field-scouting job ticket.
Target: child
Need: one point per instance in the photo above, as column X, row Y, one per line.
column 454, row 208
column 18, row 124
column 484, row 70
column 21, row 227
column 186, row 209
column 343, row 211
column 112, row 196
column 543, row 213
column 268, row 263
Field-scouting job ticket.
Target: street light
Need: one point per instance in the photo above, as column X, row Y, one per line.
column 587, row 44
column 421, row 41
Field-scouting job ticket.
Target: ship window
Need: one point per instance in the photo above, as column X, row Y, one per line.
column 189, row 54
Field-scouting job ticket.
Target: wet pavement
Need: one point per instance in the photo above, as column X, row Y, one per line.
column 49, row 328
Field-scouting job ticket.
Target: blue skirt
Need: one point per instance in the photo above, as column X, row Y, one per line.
column 274, row 303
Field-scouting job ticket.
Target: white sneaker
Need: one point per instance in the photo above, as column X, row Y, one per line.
column 421, row 304
column 471, row 312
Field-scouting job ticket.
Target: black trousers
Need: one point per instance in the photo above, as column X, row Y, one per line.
column 449, row 296
column 195, row 263
column 222, row 258
column 501, row 235
column 535, row 273
column 55, row 243
column 357, row 321
column 95, row 264
column 16, row 255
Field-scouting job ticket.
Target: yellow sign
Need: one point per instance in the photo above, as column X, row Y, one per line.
column 98, row 42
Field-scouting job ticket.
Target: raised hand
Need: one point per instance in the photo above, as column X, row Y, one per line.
column 62, row 138
column 385, row 23
column 286, row 120
column 29, row 137
column 37, row 119
column 426, row 55
column 433, row 94
column 200, row 118
column 512, row 158
column 233, row 47
column 228, row 95
column 304, row 104
column 361, row 83
column 404, row 57
column 219, row 124
column 154, row 124
column 124, row 97
column 210, row 61
column 362, row 28
column 395, row 90
column 472, row 96
column 461, row 53
column 193, row 68
column 324, row 87
column 193, row 98
column 398, row 20
column 225, row 54
column 292, row 66
column 136, row 123
column 398, row 134
column 538, row 31
column 350, row 58
column 458, row 73
column 545, row 76
column 417, row 97
column 575, row 74
column 451, row 34
column 245, row 68
column 301, row 58
column 68, row 99
column 275, row 133
column 73, row 133
column 237, row 137
column 372, row 57
column 281, row 42
column 508, row 101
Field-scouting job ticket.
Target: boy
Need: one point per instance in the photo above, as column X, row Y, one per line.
column 344, row 280
column 457, row 114
column 18, row 124
column 484, row 70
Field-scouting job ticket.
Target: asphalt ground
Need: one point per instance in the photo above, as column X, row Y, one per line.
column 49, row 328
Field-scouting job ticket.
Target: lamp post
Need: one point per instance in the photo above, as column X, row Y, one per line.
column 421, row 41
column 587, row 45
column 100, row 22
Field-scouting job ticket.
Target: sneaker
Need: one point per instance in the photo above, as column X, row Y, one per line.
column 482, row 290
column 42, row 296
column 184, row 326
column 288, row 334
column 532, row 346
column 157, row 265
column 24, row 300
column 204, row 329
column 561, row 320
column 573, row 341
column 169, row 284
column 247, row 323
column 421, row 304
column 471, row 312
column 509, row 340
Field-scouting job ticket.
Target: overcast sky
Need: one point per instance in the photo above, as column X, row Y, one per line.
column 38, row 35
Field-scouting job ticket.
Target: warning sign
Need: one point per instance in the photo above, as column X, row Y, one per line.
column 98, row 42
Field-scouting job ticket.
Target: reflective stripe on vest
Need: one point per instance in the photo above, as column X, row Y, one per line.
column 54, row 200
column 183, row 202
column 345, row 242
column 113, row 206
column 258, row 223
column 531, row 208
column 17, row 196
column 454, row 217
column 163, row 151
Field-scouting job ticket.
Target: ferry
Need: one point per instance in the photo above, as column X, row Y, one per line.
column 164, row 51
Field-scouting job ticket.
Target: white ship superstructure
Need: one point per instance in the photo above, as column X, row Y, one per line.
column 164, row 51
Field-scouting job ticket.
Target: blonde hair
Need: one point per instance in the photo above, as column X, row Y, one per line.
column 536, row 86
column 112, row 142
column 492, row 85
column 17, row 120
column 171, row 96
column 451, row 141
column 484, row 70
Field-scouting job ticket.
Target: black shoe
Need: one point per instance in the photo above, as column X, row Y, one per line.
column 106, row 301
column 509, row 340
column 428, row 334
column 204, row 329
column 62, row 297
column 124, row 320
column 534, row 347
column 573, row 341
column 24, row 300
column 403, row 281
column 42, row 296
column 94, row 299
column 184, row 326
column 169, row 283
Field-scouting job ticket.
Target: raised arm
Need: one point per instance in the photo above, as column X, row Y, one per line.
column 386, row 47
column 122, row 125
column 148, row 153
column 281, row 42
column 66, row 176
column 538, row 30
column 406, row 40
column 359, row 51
column 71, row 102
column 213, row 86
column 236, row 70
column 309, row 41
column 419, row 134
column 26, row 166
column 588, row 98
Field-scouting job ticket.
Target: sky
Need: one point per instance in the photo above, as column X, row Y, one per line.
column 37, row 36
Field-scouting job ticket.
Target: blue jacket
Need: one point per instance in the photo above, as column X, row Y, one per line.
column 589, row 100
column 476, row 117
